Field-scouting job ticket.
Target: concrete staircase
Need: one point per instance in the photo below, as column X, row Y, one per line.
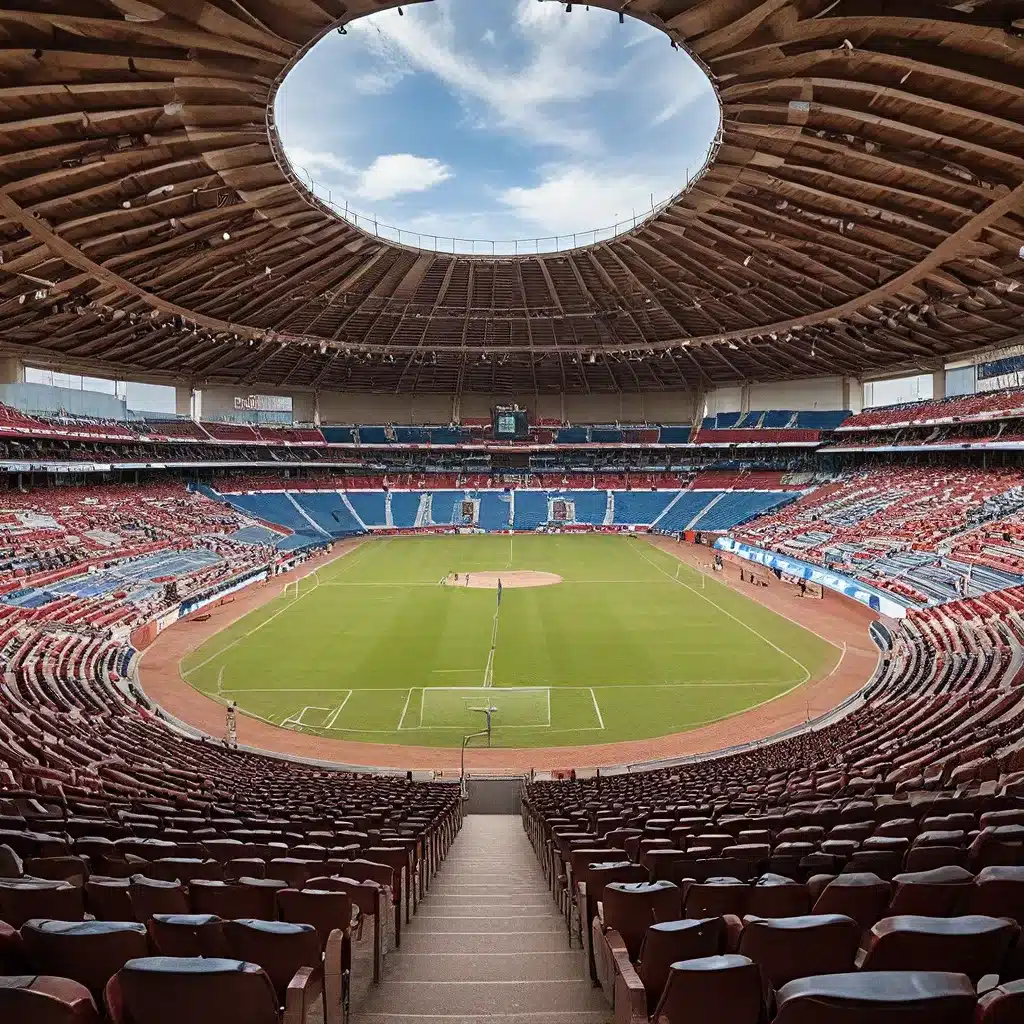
column 487, row 945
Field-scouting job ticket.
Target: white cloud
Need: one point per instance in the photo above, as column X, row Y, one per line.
column 398, row 173
column 575, row 198
column 319, row 163
column 376, row 83
column 489, row 37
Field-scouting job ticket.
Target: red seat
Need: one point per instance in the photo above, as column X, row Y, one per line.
column 667, row 942
column 230, row 900
column 632, row 907
column 860, row 895
column 196, row 990
column 187, row 935
column 22, row 899
column 89, row 952
column 973, row 945
column 151, row 896
column 1002, row 1005
column 712, row 990
column 37, row 999
column 882, row 997
column 935, row 893
column 785, row 948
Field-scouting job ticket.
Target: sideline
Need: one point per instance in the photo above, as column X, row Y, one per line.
column 714, row 604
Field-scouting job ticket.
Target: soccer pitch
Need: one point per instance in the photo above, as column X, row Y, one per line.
column 631, row 644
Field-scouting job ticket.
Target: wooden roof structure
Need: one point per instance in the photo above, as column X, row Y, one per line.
column 864, row 211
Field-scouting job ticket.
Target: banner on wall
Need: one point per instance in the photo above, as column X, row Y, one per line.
column 845, row 585
column 262, row 403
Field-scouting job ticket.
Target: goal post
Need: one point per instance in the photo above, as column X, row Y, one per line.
column 296, row 588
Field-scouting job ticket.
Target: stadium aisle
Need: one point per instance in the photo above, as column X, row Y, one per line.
column 487, row 943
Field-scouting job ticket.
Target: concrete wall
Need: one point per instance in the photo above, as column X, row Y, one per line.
column 654, row 407
column 809, row 394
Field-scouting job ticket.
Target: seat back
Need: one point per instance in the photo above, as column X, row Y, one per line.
column 632, row 907
column 38, row 999
column 151, row 896
column 1003, row 1004
column 109, row 899
column 279, row 947
column 971, row 945
column 717, row 896
column 668, row 942
column 712, row 990
column 933, row 893
column 187, row 935
column 191, row 990
column 323, row 909
column 230, row 900
column 22, row 899
column 877, row 997
column 785, row 948
column 860, row 895
column 89, row 952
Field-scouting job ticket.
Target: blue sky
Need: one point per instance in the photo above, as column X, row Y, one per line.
column 497, row 119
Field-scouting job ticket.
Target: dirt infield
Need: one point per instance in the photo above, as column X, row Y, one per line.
column 507, row 578
column 842, row 622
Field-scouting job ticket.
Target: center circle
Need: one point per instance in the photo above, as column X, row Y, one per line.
column 498, row 128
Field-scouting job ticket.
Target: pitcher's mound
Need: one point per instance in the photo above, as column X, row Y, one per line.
column 508, row 577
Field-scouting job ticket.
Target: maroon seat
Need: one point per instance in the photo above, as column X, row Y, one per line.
column 324, row 909
column 935, row 893
column 785, row 948
column 971, row 945
column 366, row 898
column 282, row 949
column 632, row 907
column 892, row 997
column 89, row 952
column 184, row 869
column 1002, row 1005
column 197, row 990
column 860, row 895
column 712, row 990
column 668, row 942
column 778, row 896
column 997, row 891
column 717, row 896
column 187, row 935
column 62, row 869
column 233, row 899
column 151, row 896
column 37, row 999
column 109, row 899
column 22, row 899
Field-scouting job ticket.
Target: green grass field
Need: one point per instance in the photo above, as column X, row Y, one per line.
column 631, row 644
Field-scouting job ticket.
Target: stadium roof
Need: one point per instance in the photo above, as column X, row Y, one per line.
column 864, row 211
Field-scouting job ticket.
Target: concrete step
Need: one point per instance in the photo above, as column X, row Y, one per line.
column 477, row 966
column 506, row 942
column 471, row 998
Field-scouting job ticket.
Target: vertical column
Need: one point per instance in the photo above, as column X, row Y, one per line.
column 939, row 384
column 184, row 401
column 12, row 370
column 853, row 394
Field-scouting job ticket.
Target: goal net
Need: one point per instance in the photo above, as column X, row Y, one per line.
column 296, row 588
column 452, row 707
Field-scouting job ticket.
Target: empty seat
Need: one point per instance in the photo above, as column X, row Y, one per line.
column 632, row 907
column 893, row 997
column 717, row 896
column 89, row 952
column 785, row 948
column 973, row 945
column 282, row 949
column 712, row 990
column 151, row 896
column 777, row 896
column 668, row 942
column 233, row 899
column 187, row 935
column 997, row 891
column 22, row 899
column 109, row 899
column 1003, row 1004
column 935, row 893
column 860, row 895
column 170, row 990
column 38, row 999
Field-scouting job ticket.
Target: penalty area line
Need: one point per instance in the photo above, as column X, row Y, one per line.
column 597, row 709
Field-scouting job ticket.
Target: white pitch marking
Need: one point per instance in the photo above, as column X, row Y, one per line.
column 597, row 709
column 333, row 717
column 704, row 597
column 408, row 698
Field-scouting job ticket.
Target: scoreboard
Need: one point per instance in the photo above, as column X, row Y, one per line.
column 510, row 424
